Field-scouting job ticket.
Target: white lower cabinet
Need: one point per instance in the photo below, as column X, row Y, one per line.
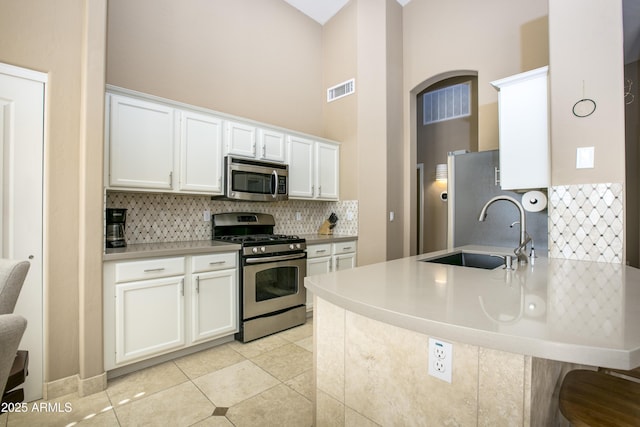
column 328, row 257
column 159, row 305
column 214, row 297
column 149, row 317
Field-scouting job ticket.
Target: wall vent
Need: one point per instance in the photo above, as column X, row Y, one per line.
column 341, row 90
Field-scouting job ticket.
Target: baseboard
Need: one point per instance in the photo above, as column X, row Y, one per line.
column 74, row 384
column 92, row 385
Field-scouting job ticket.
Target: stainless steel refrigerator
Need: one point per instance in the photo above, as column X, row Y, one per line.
column 473, row 179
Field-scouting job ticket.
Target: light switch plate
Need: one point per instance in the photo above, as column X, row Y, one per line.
column 585, row 157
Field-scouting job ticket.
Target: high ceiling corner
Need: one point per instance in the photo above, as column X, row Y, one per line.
column 323, row 10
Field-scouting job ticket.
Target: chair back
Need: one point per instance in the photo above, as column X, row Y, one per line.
column 12, row 327
column 12, row 275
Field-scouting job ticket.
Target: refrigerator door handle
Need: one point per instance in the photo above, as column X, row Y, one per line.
column 496, row 176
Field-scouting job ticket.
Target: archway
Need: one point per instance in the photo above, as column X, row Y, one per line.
column 429, row 145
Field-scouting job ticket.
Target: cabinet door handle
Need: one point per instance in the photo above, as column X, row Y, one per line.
column 154, row 270
column 319, row 251
column 346, row 248
column 171, row 179
column 198, row 284
column 217, row 262
column 313, row 191
column 182, row 287
column 319, row 190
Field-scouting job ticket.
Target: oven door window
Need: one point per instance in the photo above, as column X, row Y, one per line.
column 276, row 282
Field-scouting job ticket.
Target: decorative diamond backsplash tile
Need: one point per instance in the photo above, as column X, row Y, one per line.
column 586, row 222
column 584, row 300
column 156, row 217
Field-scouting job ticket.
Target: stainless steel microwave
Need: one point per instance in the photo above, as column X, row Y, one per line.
column 255, row 180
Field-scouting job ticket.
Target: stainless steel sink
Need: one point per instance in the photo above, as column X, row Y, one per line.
column 468, row 259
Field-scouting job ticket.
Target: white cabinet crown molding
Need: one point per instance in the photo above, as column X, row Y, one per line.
column 117, row 90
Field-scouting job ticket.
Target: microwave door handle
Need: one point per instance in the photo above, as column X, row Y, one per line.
column 274, row 183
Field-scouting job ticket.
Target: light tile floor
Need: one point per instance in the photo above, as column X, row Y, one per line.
column 267, row 382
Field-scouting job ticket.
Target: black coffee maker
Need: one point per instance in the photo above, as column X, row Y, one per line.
column 116, row 219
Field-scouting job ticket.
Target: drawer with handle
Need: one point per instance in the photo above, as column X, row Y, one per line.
column 148, row 269
column 211, row 262
column 344, row 247
column 315, row 251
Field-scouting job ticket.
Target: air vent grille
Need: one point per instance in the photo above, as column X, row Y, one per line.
column 341, row 90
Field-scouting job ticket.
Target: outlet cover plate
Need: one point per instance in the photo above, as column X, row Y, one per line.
column 440, row 359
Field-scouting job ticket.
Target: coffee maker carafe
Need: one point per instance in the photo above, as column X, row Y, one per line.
column 116, row 219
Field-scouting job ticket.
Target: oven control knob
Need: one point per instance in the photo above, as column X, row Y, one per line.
column 298, row 246
column 263, row 249
column 254, row 250
column 291, row 246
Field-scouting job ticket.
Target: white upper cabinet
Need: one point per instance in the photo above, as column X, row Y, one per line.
column 524, row 130
column 271, row 145
column 240, row 139
column 158, row 145
column 140, row 144
column 327, row 170
column 254, row 142
column 200, row 153
column 301, row 168
column 313, row 169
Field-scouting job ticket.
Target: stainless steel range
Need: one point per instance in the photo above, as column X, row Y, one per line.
column 272, row 294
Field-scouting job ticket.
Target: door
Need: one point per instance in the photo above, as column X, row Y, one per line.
column 141, row 144
column 327, row 164
column 273, row 286
column 241, row 139
column 214, row 305
column 344, row 262
column 301, row 180
column 21, row 163
column 316, row 266
column 200, row 153
column 149, row 318
column 272, row 145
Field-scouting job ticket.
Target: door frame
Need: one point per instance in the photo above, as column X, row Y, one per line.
column 420, row 202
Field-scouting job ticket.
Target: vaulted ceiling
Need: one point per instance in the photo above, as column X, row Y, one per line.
column 322, row 10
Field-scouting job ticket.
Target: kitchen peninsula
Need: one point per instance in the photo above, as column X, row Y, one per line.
column 514, row 335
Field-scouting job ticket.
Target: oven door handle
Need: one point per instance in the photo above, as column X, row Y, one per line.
column 274, row 258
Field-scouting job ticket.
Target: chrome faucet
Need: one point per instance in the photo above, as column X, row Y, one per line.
column 520, row 251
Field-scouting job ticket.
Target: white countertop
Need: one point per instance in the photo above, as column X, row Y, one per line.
column 314, row 239
column 146, row 250
column 572, row 311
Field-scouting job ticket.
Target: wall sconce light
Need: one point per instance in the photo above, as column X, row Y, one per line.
column 441, row 172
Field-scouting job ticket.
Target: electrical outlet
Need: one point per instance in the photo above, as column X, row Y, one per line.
column 440, row 359
column 298, row 216
column 206, row 215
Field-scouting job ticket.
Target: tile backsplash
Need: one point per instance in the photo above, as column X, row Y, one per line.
column 586, row 222
column 159, row 217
